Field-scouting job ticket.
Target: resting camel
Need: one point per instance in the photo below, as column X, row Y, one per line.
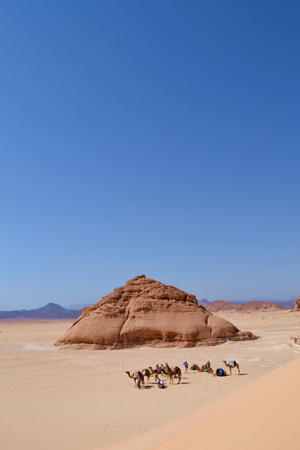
column 202, row 368
column 134, row 376
column 172, row 372
column 232, row 365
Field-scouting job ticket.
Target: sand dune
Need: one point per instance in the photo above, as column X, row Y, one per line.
column 261, row 415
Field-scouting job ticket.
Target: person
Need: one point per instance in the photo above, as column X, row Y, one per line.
column 207, row 367
column 160, row 384
column 185, row 365
column 139, row 378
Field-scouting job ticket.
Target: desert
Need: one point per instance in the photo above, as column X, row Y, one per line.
column 55, row 397
column 149, row 225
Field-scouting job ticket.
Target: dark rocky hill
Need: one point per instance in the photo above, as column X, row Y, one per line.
column 203, row 302
column 50, row 311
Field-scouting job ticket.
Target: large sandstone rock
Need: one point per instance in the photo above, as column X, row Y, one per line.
column 147, row 312
column 297, row 305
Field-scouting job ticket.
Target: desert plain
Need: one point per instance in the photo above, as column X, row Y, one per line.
column 62, row 398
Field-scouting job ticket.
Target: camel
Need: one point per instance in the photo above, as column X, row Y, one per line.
column 202, row 368
column 159, row 368
column 172, row 372
column 134, row 376
column 154, row 372
column 232, row 365
column 196, row 367
column 146, row 373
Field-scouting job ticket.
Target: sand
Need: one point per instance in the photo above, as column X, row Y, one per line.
column 261, row 415
column 70, row 399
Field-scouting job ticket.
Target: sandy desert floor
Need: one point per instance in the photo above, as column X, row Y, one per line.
column 82, row 399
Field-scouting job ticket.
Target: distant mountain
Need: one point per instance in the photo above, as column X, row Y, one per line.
column 223, row 306
column 50, row 311
column 236, row 302
column 260, row 307
column 285, row 304
column 203, row 302
column 79, row 306
column 220, row 306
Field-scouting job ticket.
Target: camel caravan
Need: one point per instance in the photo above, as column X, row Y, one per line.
column 140, row 376
column 220, row 372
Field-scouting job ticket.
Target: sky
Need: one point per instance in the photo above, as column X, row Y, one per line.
column 149, row 137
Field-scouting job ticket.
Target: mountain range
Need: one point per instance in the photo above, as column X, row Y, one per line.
column 55, row 311
column 285, row 304
column 220, row 306
column 50, row 311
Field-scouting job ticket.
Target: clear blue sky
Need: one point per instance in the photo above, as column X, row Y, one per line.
column 156, row 137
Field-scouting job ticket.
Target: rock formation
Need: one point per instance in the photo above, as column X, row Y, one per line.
column 147, row 312
column 297, row 305
column 220, row 306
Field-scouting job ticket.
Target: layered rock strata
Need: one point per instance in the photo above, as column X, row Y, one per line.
column 147, row 312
